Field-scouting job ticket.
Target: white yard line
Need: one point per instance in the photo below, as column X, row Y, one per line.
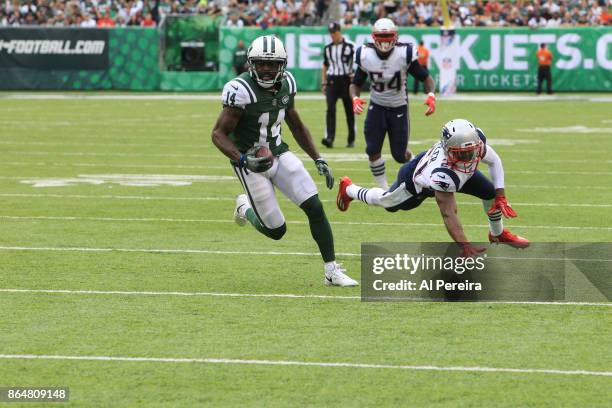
column 260, row 295
column 261, row 253
column 477, row 369
column 217, row 156
column 214, row 198
column 363, row 168
column 228, row 221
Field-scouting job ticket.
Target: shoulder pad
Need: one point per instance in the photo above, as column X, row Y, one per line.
column 291, row 81
column 238, row 93
column 443, row 179
column 412, row 53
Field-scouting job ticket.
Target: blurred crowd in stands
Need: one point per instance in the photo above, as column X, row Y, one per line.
column 266, row 13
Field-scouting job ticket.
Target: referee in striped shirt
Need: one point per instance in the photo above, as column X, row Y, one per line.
column 336, row 76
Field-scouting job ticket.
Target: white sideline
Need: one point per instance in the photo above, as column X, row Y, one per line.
column 308, row 364
column 265, row 253
column 214, row 198
column 264, row 295
column 500, row 97
column 228, row 221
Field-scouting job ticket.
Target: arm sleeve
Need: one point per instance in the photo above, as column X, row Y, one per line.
column 412, row 54
column 360, row 77
column 236, row 95
column 418, row 71
column 496, row 169
column 325, row 60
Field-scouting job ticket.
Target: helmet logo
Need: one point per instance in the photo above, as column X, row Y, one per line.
column 445, row 133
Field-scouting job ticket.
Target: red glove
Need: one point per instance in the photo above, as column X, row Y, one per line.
column 468, row 250
column 358, row 105
column 501, row 204
column 431, row 102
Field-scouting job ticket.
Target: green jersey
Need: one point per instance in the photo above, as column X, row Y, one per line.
column 264, row 112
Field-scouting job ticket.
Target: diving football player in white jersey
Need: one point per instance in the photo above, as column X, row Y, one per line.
column 386, row 63
column 450, row 166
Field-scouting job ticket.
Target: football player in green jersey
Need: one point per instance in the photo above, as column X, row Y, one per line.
column 254, row 106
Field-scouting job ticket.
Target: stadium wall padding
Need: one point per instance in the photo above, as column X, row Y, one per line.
column 490, row 59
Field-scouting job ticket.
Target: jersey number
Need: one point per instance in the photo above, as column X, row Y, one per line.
column 230, row 99
column 378, row 86
column 270, row 135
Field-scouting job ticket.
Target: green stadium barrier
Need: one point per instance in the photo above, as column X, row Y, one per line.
column 491, row 59
column 186, row 28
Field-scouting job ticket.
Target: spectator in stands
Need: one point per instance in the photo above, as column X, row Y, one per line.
column 266, row 13
column 148, row 20
column 234, row 21
column 537, row 21
column 348, row 20
column 87, row 21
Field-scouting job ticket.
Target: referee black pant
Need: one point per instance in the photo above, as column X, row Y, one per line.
column 544, row 75
column 338, row 88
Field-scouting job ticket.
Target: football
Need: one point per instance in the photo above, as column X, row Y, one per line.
column 263, row 151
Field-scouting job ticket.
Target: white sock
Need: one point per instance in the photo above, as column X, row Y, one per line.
column 330, row 266
column 377, row 167
column 243, row 209
column 496, row 224
column 369, row 196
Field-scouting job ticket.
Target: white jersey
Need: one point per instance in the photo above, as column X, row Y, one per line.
column 433, row 171
column 387, row 76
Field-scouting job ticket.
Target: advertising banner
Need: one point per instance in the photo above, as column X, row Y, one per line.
column 79, row 58
column 488, row 59
column 49, row 49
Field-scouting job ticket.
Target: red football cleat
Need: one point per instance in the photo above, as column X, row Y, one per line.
column 506, row 237
column 342, row 199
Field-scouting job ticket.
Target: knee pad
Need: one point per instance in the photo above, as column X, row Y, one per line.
column 313, row 207
column 277, row 233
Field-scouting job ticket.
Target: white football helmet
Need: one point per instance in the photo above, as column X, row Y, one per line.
column 462, row 145
column 267, row 60
column 384, row 34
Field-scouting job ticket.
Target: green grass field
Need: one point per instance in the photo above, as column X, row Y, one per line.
column 172, row 271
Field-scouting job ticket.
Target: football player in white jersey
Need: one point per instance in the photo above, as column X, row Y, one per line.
column 386, row 63
column 450, row 166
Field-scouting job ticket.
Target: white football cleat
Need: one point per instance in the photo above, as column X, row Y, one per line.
column 336, row 276
column 242, row 203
